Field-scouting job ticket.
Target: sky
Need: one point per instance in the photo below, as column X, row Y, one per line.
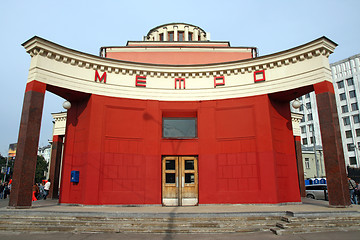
column 87, row 25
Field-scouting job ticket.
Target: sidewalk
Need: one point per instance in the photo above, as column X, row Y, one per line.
column 308, row 206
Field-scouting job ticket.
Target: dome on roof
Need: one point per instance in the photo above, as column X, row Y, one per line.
column 177, row 32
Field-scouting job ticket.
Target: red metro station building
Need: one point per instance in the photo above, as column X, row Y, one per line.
column 177, row 119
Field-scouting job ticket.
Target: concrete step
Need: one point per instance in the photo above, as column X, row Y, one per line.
column 294, row 225
column 175, row 224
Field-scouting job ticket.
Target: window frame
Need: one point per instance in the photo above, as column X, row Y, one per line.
column 190, row 36
column 356, row 118
column 352, row 94
column 342, row 96
column 179, row 137
column 310, row 117
column 351, row 160
column 344, row 109
column 311, row 127
column 340, row 84
column 350, row 147
column 171, row 37
column 350, row 81
column 357, row 131
column 183, row 36
column 307, row 163
column 303, row 129
column 354, row 106
column 348, row 134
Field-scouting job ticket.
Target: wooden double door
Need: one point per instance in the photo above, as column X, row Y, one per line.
column 180, row 181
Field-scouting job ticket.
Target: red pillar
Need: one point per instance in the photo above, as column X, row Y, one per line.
column 332, row 145
column 27, row 146
column 56, row 153
column 300, row 168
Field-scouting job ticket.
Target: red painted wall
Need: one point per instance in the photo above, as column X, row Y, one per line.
column 178, row 57
column 245, row 148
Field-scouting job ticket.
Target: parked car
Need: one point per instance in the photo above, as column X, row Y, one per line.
column 317, row 191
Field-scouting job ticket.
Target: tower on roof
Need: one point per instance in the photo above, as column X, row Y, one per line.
column 177, row 32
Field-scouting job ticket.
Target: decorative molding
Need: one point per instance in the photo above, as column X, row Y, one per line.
column 238, row 73
column 68, row 56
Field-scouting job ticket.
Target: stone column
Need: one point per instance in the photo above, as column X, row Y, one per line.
column 175, row 33
column 202, row 36
column 196, row 34
column 165, row 34
column 156, row 35
column 295, row 119
column 56, row 154
column 300, row 167
column 27, row 146
column 332, row 145
column 186, row 33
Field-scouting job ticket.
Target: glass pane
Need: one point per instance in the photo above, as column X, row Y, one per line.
column 189, row 164
column 179, row 128
column 170, row 164
column 181, row 36
column 189, row 178
column 171, row 36
column 170, row 177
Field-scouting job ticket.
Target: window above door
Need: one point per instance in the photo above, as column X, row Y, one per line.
column 177, row 127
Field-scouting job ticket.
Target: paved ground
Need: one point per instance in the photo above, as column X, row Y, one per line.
column 308, row 206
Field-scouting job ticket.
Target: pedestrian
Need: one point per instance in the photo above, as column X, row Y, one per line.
column 357, row 192
column 352, row 189
column 47, row 188
column 35, row 192
column 6, row 190
column 2, row 187
column 41, row 191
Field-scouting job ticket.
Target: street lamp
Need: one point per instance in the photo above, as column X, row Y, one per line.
column 67, row 105
column 296, row 104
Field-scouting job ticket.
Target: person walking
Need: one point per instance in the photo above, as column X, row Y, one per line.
column 2, row 188
column 352, row 189
column 47, row 188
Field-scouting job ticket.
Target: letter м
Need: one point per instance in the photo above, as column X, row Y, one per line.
column 97, row 76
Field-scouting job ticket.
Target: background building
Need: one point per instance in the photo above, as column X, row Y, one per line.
column 45, row 151
column 346, row 81
column 313, row 166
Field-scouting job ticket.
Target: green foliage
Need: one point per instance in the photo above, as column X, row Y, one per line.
column 41, row 168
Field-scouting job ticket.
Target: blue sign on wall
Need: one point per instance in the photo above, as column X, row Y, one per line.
column 74, row 176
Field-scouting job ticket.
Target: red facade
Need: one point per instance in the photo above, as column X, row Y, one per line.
column 245, row 150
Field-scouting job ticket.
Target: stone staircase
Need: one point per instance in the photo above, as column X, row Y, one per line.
column 317, row 222
column 139, row 223
column 96, row 222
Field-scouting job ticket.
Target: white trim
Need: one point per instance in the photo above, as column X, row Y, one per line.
column 62, row 67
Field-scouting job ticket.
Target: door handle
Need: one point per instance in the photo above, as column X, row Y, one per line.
column 182, row 181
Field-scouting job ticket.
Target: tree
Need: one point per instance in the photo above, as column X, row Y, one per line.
column 41, row 168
